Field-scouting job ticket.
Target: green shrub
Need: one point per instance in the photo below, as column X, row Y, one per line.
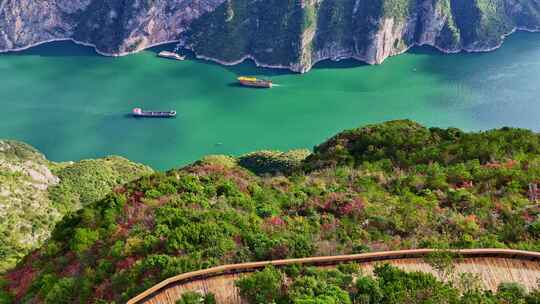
column 83, row 239
column 192, row 297
column 262, row 287
column 64, row 291
column 368, row 291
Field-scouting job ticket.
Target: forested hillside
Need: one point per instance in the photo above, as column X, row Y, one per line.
column 35, row 193
column 387, row 186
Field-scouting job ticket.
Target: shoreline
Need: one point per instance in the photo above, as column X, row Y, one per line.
column 272, row 66
column 364, row 60
column 93, row 46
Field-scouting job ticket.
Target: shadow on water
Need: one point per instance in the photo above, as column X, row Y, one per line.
column 245, row 68
column 426, row 50
column 341, row 64
column 236, row 85
column 163, row 47
column 57, row 49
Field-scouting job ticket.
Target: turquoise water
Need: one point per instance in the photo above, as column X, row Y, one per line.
column 71, row 103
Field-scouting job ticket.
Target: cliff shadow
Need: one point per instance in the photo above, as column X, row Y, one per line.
column 245, row 68
column 339, row 64
column 64, row 48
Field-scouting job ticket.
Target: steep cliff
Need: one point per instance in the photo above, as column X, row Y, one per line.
column 291, row 34
column 297, row 34
column 115, row 27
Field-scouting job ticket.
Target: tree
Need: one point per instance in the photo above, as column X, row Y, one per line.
column 262, row 287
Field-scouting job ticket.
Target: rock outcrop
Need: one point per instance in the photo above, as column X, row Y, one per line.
column 292, row 34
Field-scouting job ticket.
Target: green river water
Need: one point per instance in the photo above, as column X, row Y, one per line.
column 71, row 103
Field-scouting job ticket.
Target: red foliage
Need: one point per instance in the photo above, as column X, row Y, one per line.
column 239, row 177
column 163, row 200
column 499, row 207
column 379, row 246
column 72, row 269
column 119, row 190
column 20, row 280
column 471, row 218
column 104, row 291
column 121, row 232
column 527, row 217
column 275, row 221
column 496, row 165
column 237, row 240
column 279, row 251
column 341, row 205
column 134, row 213
column 465, row 185
column 329, row 226
column 135, row 197
column 126, row 263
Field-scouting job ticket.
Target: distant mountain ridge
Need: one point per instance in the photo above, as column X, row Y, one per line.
column 293, row 34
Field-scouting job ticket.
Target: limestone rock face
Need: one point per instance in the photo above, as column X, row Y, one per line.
column 293, row 34
column 298, row 34
column 115, row 27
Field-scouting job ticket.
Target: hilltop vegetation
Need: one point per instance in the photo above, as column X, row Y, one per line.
column 347, row 285
column 35, row 193
column 395, row 185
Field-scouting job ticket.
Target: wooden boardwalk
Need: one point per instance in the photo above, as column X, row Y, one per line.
column 493, row 266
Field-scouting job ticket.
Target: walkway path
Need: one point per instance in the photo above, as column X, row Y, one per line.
column 493, row 266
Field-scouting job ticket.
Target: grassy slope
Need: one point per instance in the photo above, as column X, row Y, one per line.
column 35, row 193
column 390, row 186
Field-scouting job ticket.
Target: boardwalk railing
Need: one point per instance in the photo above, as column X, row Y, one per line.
column 328, row 260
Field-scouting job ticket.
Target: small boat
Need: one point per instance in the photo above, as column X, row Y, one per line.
column 171, row 55
column 138, row 112
column 254, row 82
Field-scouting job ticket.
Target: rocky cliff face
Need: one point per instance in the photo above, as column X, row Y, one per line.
column 291, row 34
column 309, row 31
column 115, row 27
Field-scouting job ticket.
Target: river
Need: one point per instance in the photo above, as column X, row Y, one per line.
column 72, row 104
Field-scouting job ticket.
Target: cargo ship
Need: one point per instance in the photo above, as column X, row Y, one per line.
column 254, row 82
column 138, row 112
column 171, row 55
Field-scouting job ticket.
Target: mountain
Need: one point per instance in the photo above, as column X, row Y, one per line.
column 114, row 27
column 388, row 186
column 293, row 34
column 35, row 193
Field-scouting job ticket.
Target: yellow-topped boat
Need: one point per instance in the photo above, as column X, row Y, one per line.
column 254, row 82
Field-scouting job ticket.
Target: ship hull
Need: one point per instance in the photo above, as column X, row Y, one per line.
column 155, row 115
column 170, row 55
column 258, row 84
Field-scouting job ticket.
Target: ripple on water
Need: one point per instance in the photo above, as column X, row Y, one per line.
column 73, row 104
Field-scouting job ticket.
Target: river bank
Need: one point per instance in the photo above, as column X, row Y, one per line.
column 337, row 56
